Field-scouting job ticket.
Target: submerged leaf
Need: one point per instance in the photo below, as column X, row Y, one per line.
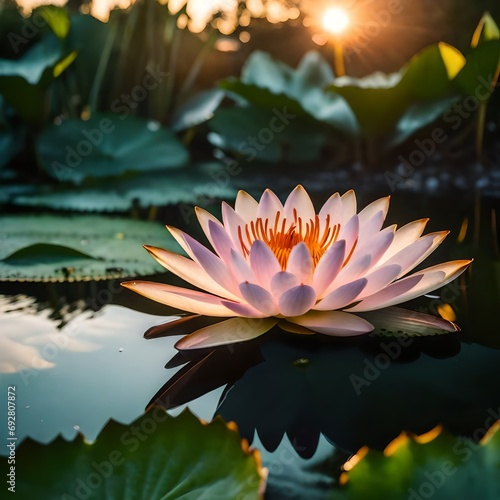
column 169, row 458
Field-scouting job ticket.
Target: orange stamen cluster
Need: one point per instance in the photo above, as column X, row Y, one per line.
column 281, row 239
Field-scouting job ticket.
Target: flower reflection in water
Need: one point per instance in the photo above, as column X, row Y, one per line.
column 355, row 392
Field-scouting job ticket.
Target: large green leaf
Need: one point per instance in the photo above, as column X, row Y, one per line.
column 444, row 468
column 156, row 457
column 55, row 248
column 23, row 81
column 57, row 18
column 192, row 185
column 106, row 146
column 379, row 101
column 198, row 109
column 270, row 135
column 269, row 83
column 480, row 74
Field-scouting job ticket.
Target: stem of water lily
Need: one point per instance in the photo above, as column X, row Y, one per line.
column 481, row 123
column 338, row 58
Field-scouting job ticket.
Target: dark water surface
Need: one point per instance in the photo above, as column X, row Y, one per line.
column 304, row 396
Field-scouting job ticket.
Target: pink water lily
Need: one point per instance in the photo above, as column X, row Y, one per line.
column 285, row 263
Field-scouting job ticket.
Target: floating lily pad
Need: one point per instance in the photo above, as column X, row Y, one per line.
column 170, row 458
column 77, row 248
column 191, row 185
column 444, row 468
column 400, row 322
column 106, row 146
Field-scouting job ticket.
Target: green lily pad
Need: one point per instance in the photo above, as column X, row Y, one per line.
column 444, row 468
column 270, row 135
column 106, row 146
column 156, row 457
column 192, row 185
column 77, row 248
column 23, row 81
column 268, row 83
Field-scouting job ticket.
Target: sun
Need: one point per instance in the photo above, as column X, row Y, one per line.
column 336, row 20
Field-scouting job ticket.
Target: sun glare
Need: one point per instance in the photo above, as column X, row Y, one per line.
column 336, row 20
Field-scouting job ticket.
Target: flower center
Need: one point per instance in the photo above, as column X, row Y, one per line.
column 281, row 237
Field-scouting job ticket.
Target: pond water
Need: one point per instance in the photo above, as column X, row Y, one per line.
column 308, row 402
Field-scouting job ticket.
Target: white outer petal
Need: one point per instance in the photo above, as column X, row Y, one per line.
column 226, row 332
column 336, row 323
column 180, row 298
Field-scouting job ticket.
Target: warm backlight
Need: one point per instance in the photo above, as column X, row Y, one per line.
column 336, row 20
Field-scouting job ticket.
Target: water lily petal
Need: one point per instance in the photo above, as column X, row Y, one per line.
column 180, row 298
column 300, row 263
column 357, row 267
column 416, row 252
column 283, row 281
column 390, row 295
column 264, row 263
column 269, row 205
column 380, row 278
column 299, row 202
column 370, row 228
column 342, row 296
column 259, row 298
column 331, row 211
column 246, row 206
column 349, row 232
column 244, row 310
column 189, row 271
column 211, row 263
column 204, row 218
column 297, row 300
column 366, row 215
column 431, row 278
column 378, row 244
column 349, row 205
column 328, row 267
column 240, row 268
column 336, row 323
column 232, row 222
column 226, row 332
column 404, row 237
column 220, row 240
